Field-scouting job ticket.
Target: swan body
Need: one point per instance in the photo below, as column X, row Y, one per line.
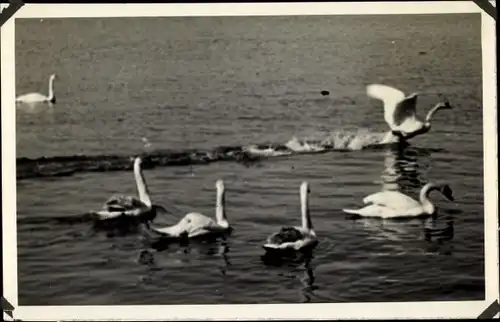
column 195, row 224
column 128, row 206
column 394, row 204
column 400, row 111
column 39, row 98
column 295, row 238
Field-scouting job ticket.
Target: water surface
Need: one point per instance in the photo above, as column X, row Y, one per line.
column 194, row 87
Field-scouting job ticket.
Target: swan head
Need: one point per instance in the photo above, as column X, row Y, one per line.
column 447, row 192
column 144, row 162
column 137, row 161
column 219, row 185
column 53, row 76
column 304, row 188
column 444, row 105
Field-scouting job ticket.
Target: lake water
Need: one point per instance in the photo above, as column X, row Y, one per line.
column 199, row 90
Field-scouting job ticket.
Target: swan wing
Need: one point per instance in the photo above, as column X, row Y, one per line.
column 290, row 238
column 32, row 98
column 405, row 109
column 198, row 224
column 296, row 245
column 106, row 214
column 374, row 211
column 410, row 125
column 390, row 96
column 285, row 235
column 391, row 199
column 383, row 212
column 123, row 203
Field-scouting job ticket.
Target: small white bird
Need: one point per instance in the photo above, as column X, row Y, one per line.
column 33, row 98
column 295, row 238
column 394, row 204
column 400, row 111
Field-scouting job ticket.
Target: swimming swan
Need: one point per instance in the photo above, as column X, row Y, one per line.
column 295, row 238
column 394, row 204
column 128, row 206
column 40, row 98
column 400, row 111
column 195, row 224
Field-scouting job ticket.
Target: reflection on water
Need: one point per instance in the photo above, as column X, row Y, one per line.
column 402, row 171
column 295, row 261
column 36, row 113
column 308, row 283
column 184, row 252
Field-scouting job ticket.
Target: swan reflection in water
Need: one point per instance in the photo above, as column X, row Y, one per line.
column 294, row 262
column 402, row 170
column 185, row 252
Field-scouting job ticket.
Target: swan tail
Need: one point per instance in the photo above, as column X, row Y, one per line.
column 351, row 211
column 353, row 214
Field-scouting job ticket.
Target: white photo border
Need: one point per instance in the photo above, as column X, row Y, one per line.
column 400, row 310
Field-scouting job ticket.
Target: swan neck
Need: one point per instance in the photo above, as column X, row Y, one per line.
column 432, row 112
column 141, row 186
column 51, row 88
column 220, row 211
column 304, row 207
column 424, row 197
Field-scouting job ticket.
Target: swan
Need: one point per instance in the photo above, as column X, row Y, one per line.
column 295, row 238
column 394, row 204
column 400, row 111
column 128, row 206
column 196, row 224
column 40, row 98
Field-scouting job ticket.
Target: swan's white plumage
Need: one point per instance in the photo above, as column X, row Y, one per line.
column 399, row 110
column 128, row 206
column 195, row 224
column 393, row 199
column 295, row 238
column 32, row 98
column 394, row 204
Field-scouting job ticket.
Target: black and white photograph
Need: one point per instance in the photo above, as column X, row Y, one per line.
column 169, row 155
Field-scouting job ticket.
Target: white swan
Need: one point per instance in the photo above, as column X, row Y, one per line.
column 195, row 224
column 40, row 98
column 400, row 111
column 394, row 204
column 295, row 238
column 128, row 206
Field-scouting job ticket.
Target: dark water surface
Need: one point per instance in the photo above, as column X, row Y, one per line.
column 196, row 86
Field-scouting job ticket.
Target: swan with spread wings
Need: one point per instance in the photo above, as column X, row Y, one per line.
column 400, row 111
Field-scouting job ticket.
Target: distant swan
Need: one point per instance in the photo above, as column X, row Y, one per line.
column 295, row 238
column 400, row 111
column 394, row 204
column 195, row 224
column 40, row 98
column 127, row 206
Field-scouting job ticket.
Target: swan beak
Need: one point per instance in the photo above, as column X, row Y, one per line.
column 448, row 193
